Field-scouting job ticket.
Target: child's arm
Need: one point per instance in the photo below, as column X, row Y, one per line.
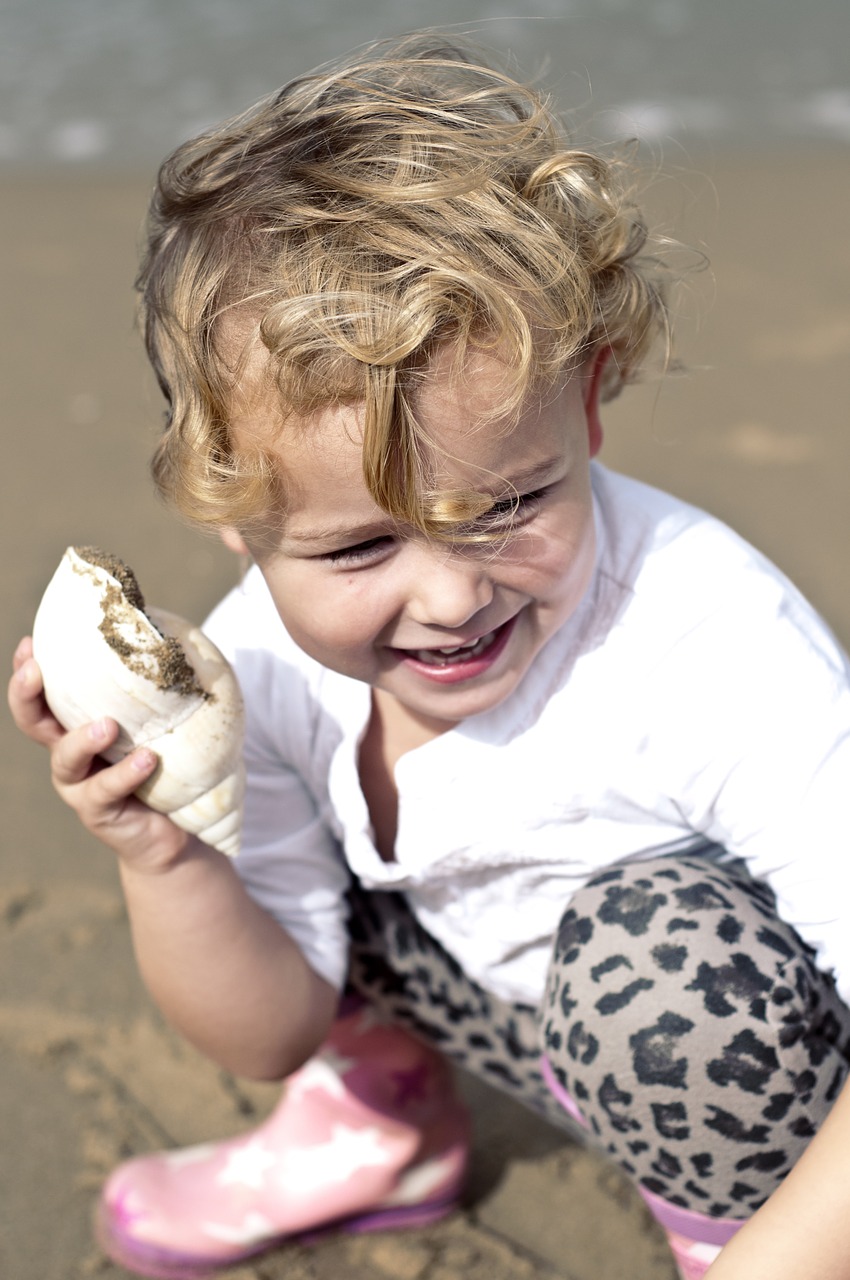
column 804, row 1228
column 222, row 970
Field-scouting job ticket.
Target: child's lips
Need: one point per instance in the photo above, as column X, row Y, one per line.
column 475, row 654
column 455, row 653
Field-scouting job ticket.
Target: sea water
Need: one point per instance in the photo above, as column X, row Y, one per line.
column 117, row 83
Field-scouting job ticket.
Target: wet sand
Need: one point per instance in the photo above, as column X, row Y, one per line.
column 756, row 431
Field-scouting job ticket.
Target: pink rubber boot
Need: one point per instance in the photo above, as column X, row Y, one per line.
column 369, row 1134
column 694, row 1239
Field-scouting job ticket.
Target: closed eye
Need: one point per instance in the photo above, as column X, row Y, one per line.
column 361, row 552
column 512, row 511
column 505, row 514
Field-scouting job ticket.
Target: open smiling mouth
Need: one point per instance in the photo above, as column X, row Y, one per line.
column 458, row 655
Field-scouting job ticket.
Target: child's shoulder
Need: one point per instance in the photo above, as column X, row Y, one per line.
column 679, row 571
column 650, row 539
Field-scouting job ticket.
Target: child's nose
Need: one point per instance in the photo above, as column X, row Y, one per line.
column 448, row 587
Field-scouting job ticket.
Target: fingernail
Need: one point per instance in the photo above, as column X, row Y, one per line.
column 97, row 730
column 143, row 760
column 24, row 674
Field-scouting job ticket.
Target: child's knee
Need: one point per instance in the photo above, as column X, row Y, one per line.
column 691, row 1026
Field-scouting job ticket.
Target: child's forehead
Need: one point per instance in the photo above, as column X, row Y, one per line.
column 465, row 444
column 472, row 387
column 317, row 461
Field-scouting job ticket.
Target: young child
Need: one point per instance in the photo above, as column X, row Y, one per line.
column 546, row 768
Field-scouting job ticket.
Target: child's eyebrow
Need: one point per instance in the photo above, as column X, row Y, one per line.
column 523, row 479
column 340, row 533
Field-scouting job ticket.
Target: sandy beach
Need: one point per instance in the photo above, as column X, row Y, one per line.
column 756, row 430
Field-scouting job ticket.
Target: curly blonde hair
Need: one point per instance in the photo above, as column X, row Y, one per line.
column 375, row 211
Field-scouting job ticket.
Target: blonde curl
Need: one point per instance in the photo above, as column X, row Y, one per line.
column 364, row 217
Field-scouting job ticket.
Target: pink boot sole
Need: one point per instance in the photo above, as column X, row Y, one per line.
column 163, row 1264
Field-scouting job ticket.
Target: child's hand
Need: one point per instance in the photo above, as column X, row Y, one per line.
column 101, row 795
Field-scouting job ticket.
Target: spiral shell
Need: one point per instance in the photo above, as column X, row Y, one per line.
column 103, row 653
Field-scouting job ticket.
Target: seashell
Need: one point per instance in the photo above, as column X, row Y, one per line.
column 102, row 652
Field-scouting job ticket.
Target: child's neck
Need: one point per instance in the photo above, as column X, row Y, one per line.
column 392, row 732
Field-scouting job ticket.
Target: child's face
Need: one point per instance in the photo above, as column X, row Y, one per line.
column 444, row 631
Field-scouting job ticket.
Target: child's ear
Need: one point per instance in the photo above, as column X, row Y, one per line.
column 233, row 541
column 592, row 397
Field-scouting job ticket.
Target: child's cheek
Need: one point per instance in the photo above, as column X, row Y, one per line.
column 559, row 556
column 336, row 623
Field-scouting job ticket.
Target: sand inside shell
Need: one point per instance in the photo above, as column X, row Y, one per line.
column 166, row 664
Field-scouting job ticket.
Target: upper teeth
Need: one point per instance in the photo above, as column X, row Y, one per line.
column 448, row 651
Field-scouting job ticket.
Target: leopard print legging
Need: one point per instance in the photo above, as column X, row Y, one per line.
column 687, row 1021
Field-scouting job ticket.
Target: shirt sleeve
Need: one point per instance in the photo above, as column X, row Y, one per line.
column 290, row 862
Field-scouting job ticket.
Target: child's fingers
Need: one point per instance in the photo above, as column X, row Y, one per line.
column 105, row 803
column 100, row 794
column 73, row 759
column 26, row 699
column 23, row 651
column 108, row 790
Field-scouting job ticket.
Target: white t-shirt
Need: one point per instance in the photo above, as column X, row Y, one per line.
column 694, row 695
